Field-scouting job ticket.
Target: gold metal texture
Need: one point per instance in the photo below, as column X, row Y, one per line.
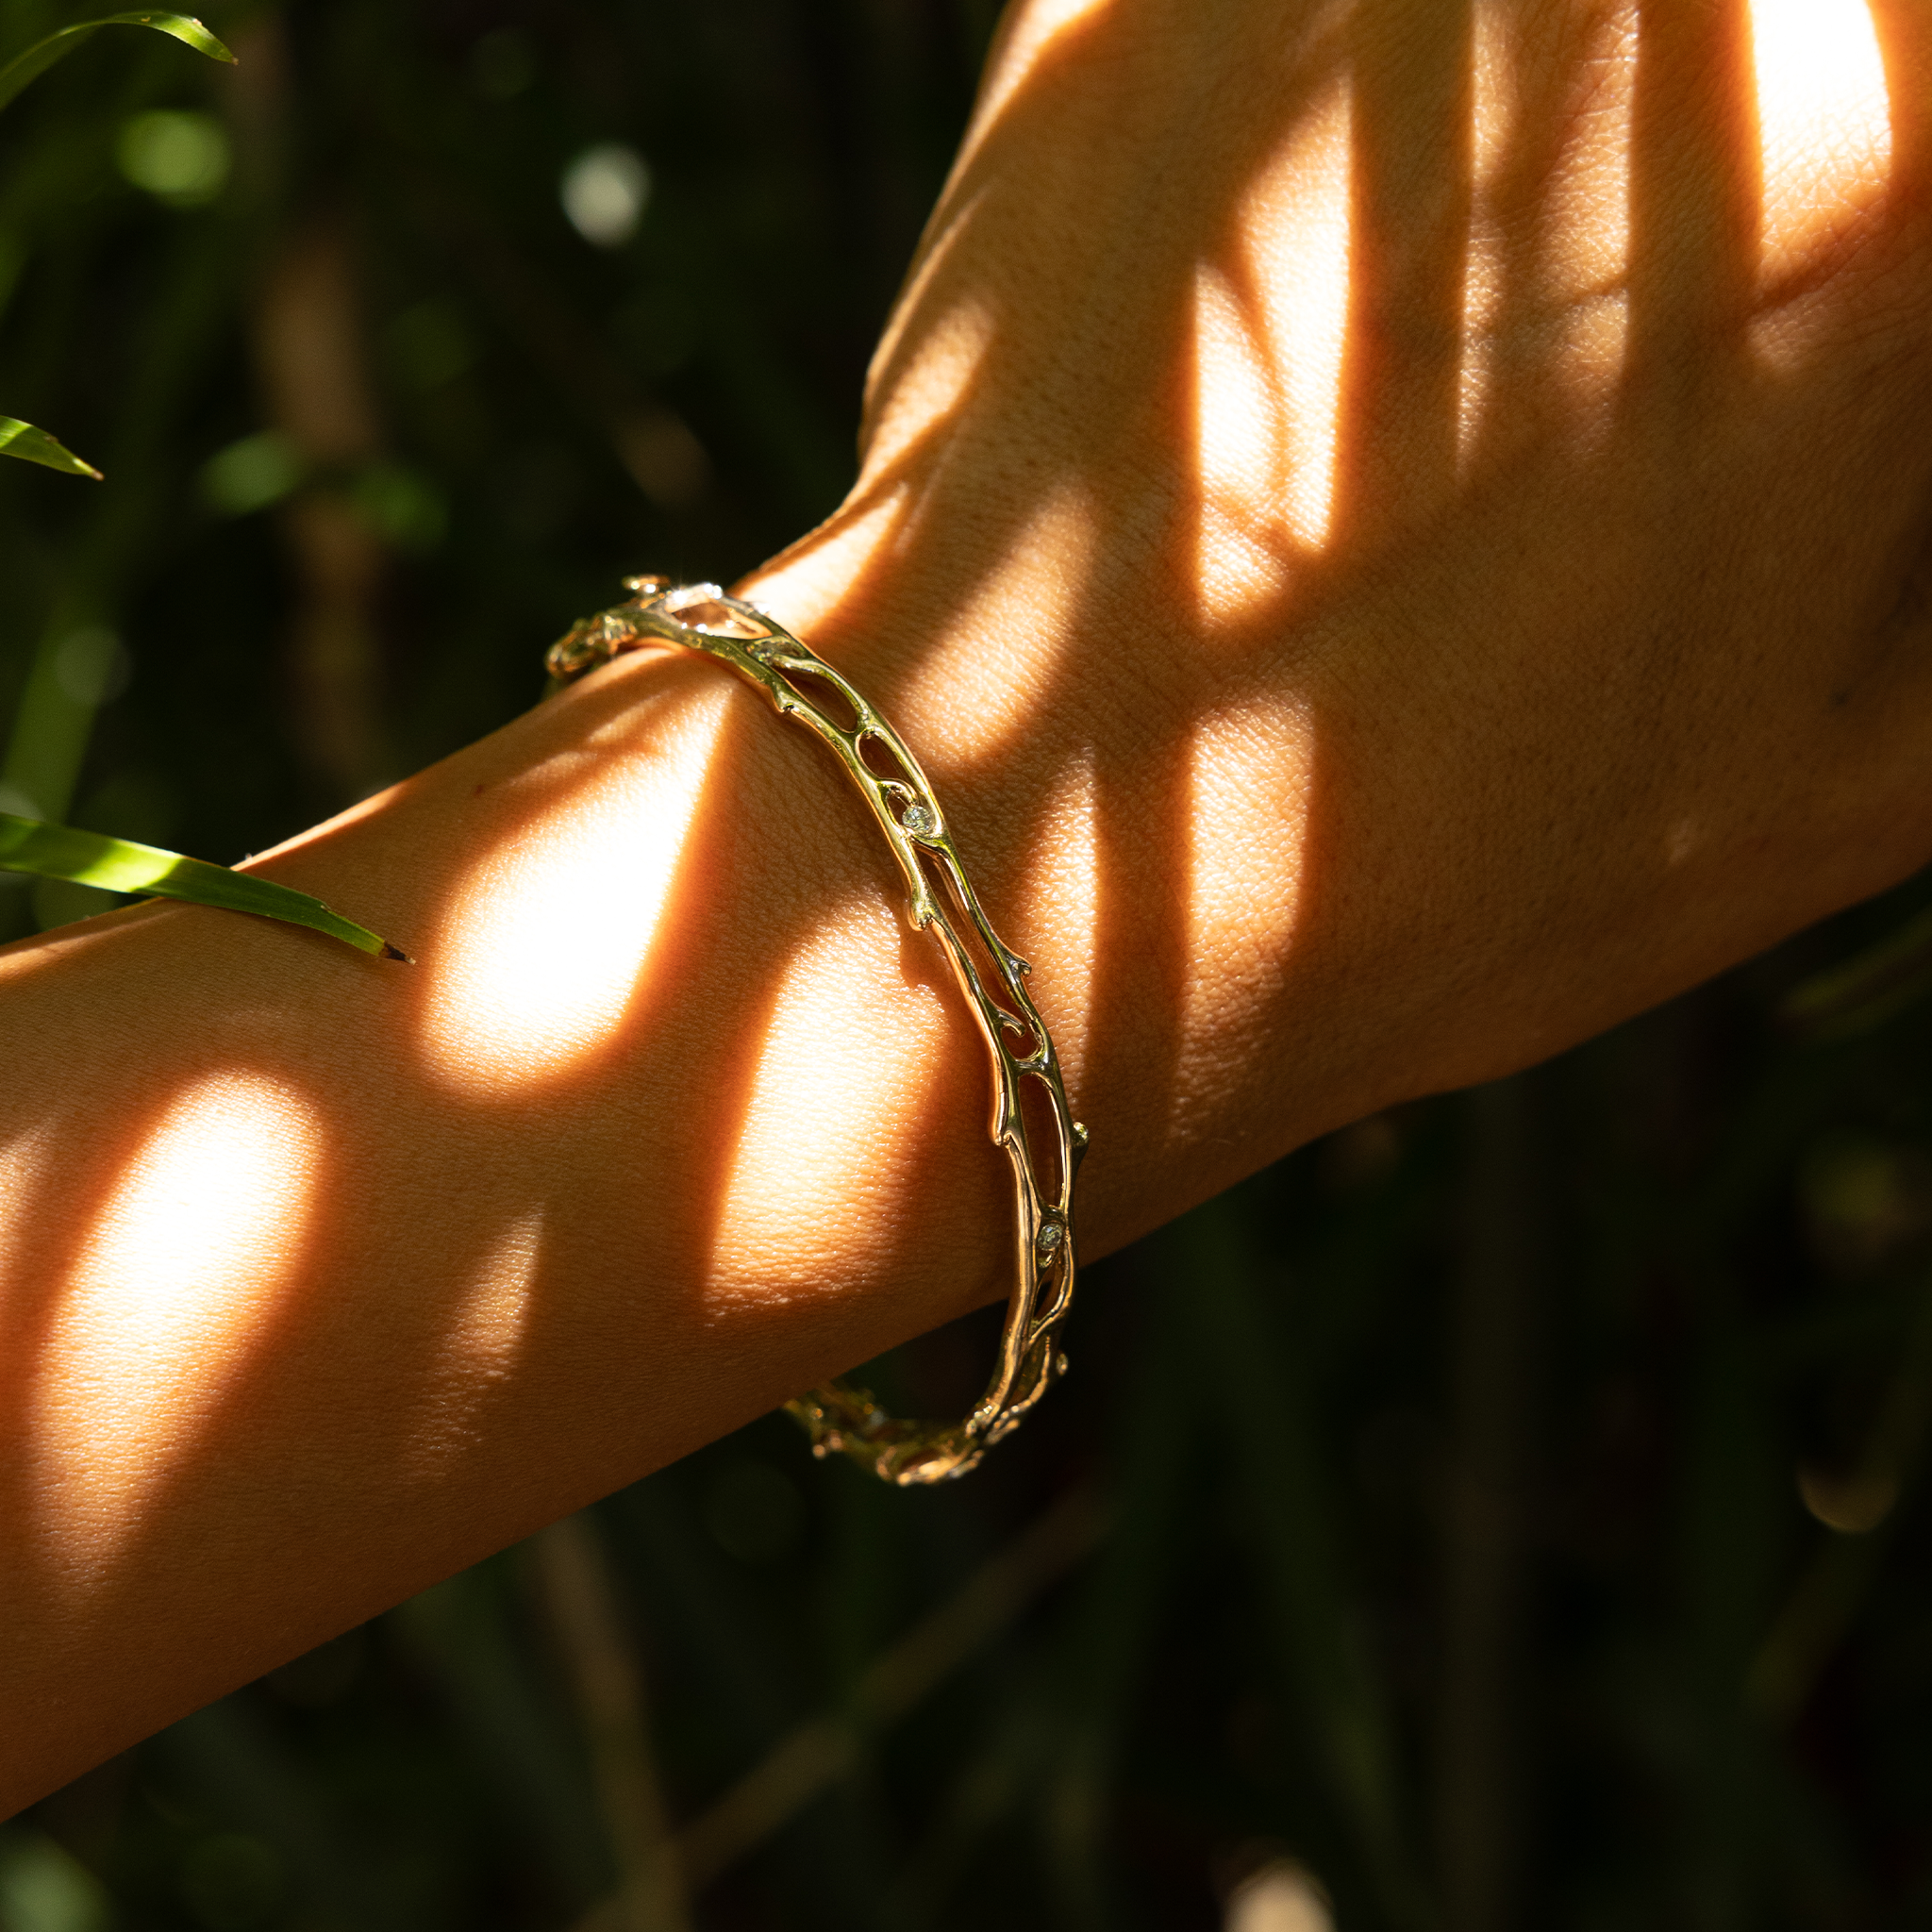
column 840, row 1417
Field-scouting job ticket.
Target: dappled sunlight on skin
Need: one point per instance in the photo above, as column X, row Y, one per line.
column 1587, row 264
column 1368, row 862
column 1058, row 899
column 1552, row 291
column 1300, row 203
column 931, row 375
column 1268, row 354
column 965, row 704
column 25, row 1166
column 1824, row 125
column 811, row 577
column 823, row 1173
column 1249, row 776
column 1244, row 457
column 207, row 1228
column 478, row 1350
column 1494, row 94
column 1031, row 32
column 540, row 956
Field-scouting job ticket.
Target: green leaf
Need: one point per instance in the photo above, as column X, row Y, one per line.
column 90, row 858
column 18, row 438
column 43, row 53
column 1859, row 996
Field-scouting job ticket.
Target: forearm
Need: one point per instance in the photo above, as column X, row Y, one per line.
column 324, row 1276
column 1311, row 771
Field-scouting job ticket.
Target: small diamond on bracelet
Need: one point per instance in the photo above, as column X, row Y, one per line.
column 919, row 821
column 1051, row 1235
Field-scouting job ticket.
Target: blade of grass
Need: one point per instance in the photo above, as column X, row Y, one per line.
column 573, row 1576
column 125, row 532
column 747, row 1660
column 1112, row 1628
column 1009, row 1767
column 507, row 1729
column 1848, row 1566
column 734, row 1637
column 231, row 1764
column 93, row 858
column 824, row 1749
column 1858, row 997
column 31, row 445
column 1734, row 1523
column 1266, row 1408
column 30, row 65
column 1493, row 1456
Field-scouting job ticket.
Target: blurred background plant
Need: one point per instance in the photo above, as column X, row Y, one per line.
column 1508, row 1513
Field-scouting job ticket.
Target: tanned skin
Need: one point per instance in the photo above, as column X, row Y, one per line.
column 1398, row 530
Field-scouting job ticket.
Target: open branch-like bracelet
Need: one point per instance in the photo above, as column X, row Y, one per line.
column 940, row 900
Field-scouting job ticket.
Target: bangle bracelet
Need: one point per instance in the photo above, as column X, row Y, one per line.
column 839, row 1418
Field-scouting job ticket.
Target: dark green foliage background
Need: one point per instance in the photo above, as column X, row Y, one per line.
column 1457, row 1543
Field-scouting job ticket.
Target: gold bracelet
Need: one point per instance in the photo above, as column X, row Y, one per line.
column 837, row 1417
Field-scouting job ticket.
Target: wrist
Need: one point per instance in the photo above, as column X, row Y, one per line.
column 1134, row 815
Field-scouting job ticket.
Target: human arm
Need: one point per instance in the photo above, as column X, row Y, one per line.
column 324, row 1278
